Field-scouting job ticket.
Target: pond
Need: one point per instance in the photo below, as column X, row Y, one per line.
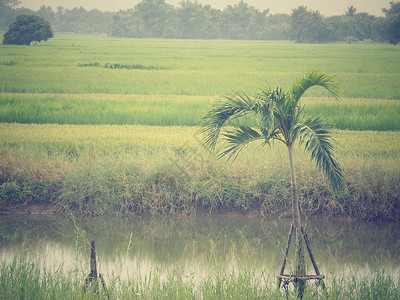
column 196, row 247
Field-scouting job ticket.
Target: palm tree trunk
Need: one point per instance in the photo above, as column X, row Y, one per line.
column 300, row 263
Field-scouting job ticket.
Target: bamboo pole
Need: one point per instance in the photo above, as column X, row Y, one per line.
column 286, row 254
column 309, row 251
column 296, row 278
column 312, row 257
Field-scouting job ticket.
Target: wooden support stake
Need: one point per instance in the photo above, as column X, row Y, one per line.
column 309, row 251
column 286, row 254
column 312, row 258
column 294, row 278
column 92, row 277
column 93, row 264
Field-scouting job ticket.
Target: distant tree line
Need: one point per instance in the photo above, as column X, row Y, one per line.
column 76, row 20
column 193, row 20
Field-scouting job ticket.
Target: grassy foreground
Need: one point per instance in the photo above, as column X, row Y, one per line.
column 164, row 170
column 22, row 279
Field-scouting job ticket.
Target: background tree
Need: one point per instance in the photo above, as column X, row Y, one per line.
column 277, row 27
column 47, row 13
column 194, row 20
column 7, row 12
column 353, row 26
column 308, row 26
column 27, row 29
column 391, row 24
column 351, row 11
column 8, row 3
column 153, row 17
column 243, row 21
column 278, row 115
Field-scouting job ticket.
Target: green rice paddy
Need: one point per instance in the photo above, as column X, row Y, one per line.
column 178, row 110
column 193, row 67
column 112, row 125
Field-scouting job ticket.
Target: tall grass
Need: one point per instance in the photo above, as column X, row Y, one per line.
column 24, row 279
column 164, row 170
column 167, row 110
column 193, row 67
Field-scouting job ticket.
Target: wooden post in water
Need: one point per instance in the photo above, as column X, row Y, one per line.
column 93, row 264
column 321, row 281
column 92, row 278
column 309, row 252
column 286, row 254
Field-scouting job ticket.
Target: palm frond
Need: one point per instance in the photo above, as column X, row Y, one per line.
column 232, row 107
column 237, row 138
column 316, row 137
column 314, row 78
column 275, row 111
column 266, row 108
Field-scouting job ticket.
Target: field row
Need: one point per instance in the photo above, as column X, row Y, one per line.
column 99, row 64
column 178, row 110
column 164, row 170
column 164, row 139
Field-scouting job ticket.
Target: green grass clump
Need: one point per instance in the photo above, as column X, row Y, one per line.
column 23, row 279
column 114, row 65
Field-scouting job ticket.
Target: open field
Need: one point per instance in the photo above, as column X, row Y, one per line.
column 93, row 95
column 81, row 64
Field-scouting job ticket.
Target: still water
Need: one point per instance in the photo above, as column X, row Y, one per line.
column 195, row 247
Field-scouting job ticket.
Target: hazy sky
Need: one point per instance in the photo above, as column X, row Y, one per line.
column 325, row 7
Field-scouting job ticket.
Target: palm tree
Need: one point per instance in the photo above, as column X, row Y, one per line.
column 279, row 117
column 351, row 11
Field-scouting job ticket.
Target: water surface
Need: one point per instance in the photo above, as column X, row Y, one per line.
column 195, row 247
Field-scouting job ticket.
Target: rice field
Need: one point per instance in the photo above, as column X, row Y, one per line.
column 102, row 125
column 178, row 110
column 72, row 64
